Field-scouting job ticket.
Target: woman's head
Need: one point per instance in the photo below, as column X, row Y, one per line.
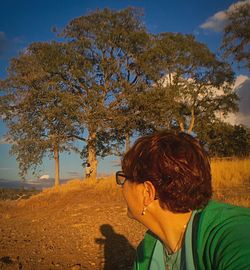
column 176, row 165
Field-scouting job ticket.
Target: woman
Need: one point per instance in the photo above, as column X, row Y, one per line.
column 166, row 182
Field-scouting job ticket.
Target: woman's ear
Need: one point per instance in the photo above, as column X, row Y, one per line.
column 148, row 193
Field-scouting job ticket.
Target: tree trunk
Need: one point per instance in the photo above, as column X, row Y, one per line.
column 191, row 124
column 56, row 158
column 127, row 142
column 92, row 160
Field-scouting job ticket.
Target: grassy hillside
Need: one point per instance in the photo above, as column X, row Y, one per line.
column 16, row 194
column 80, row 224
column 230, row 180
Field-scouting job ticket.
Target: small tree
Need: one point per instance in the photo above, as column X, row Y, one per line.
column 225, row 140
column 38, row 108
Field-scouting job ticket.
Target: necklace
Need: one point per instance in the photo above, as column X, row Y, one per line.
column 179, row 243
column 171, row 258
column 172, row 261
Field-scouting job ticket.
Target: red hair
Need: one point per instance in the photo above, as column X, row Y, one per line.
column 177, row 166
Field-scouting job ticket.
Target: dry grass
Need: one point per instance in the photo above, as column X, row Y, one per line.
column 106, row 185
column 233, row 173
column 100, row 190
column 230, row 180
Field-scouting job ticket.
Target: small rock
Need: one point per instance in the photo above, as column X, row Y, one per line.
column 56, row 264
column 76, row 267
column 6, row 260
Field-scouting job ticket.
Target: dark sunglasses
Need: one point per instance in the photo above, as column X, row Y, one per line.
column 120, row 178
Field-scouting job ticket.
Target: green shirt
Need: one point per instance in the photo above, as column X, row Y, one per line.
column 220, row 240
column 162, row 260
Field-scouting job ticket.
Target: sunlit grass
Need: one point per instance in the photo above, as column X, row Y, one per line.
column 105, row 184
column 230, row 180
column 93, row 190
column 233, row 173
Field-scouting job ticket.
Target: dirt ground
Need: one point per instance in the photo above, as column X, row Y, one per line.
column 75, row 230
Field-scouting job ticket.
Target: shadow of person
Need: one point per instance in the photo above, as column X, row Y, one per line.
column 118, row 252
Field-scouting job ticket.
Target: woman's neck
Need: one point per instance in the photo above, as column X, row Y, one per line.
column 168, row 226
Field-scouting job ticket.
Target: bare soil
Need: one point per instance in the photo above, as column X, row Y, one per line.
column 81, row 229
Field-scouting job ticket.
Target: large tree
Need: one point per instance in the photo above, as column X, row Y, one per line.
column 110, row 79
column 112, row 43
column 38, row 107
column 194, row 87
column 91, row 79
column 236, row 40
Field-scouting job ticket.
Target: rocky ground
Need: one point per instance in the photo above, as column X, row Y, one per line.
column 81, row 229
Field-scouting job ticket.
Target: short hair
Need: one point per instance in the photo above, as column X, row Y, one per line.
column 177, row 166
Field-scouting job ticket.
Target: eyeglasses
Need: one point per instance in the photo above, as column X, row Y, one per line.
column 120, row 178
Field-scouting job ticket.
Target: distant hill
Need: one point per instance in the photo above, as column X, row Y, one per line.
column 30, row 184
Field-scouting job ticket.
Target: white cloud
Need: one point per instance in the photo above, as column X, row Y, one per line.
column 242, row 88
column 218, row 20
column 241, row 79
column 44, row 177
column 243, row 91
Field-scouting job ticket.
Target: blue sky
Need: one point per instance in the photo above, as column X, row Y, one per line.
column 26, row 21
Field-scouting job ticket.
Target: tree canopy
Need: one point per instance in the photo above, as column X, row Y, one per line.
column 112, row 43
column 106, row 81
column 225, row 140
column 38, row 107
column 236, row 40
column 192, row 85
